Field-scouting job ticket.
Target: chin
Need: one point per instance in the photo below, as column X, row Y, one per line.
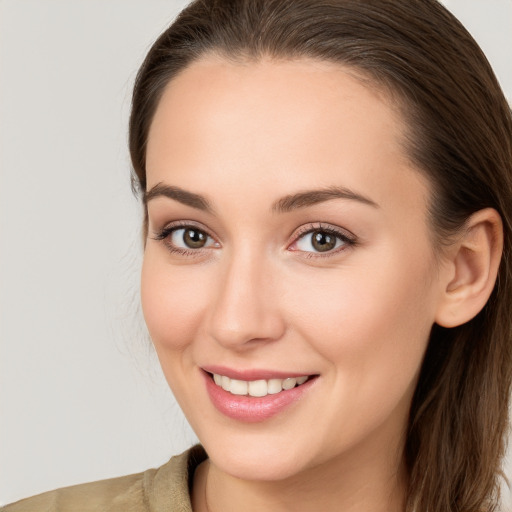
column 246, row 467
column 263, row 458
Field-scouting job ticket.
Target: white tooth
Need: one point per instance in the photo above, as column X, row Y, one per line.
column 258, row 388
column 274, row 386
column 301, row 380
column 289, row 383
column 218, row 379
column 226, row 383
column 238, row 387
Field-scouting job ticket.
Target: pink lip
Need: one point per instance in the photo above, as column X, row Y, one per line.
column 252, row 374
column 253, row 409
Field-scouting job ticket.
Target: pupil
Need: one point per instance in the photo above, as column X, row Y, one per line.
column 194, row 239
column 323, row 241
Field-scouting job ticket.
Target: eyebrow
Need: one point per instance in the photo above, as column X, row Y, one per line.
column 284, row 205
column 178, row 194
column 312, row 197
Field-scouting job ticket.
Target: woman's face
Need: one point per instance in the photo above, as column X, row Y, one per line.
column 287, row 238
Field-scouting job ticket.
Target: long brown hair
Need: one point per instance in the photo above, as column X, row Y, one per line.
column 459, row 136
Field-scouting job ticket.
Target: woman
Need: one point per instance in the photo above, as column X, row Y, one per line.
column 327, row 261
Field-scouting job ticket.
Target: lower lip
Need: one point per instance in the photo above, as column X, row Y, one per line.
column 253, row 409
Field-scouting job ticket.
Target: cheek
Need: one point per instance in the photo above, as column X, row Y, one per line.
column 172, row 302
column 370, row 320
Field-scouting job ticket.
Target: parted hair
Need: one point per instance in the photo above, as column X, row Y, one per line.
column 459, row 135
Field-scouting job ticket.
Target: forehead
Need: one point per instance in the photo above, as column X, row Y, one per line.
column 220, row 122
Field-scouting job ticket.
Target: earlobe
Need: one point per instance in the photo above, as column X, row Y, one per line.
column 473, row 262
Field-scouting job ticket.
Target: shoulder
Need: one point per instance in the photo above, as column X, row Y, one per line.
column 106, row 495
column 161, row 489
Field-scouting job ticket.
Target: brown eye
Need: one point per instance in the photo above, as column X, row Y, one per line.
column 194, row 238
column 323, row 241
column 181, row 239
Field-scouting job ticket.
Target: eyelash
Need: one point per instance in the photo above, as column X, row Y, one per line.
column 348, row 240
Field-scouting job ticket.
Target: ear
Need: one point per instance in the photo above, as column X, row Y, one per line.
column 471, row 269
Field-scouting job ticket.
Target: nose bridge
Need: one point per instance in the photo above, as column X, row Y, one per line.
column 244, row 308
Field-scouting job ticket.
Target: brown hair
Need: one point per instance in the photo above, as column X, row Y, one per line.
column 460, row 137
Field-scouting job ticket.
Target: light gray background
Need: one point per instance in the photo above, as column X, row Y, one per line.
column 81, row 394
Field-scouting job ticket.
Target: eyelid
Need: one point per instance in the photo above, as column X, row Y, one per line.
column 180, row 224
column 323, row 226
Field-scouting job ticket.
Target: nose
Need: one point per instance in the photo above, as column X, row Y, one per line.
column 245, row 311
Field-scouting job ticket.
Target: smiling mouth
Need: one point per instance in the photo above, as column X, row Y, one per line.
column 258, row 388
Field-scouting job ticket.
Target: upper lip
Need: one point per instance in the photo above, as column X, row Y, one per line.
column 252, row 374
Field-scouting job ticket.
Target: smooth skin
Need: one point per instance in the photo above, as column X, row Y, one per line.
column 260, row 294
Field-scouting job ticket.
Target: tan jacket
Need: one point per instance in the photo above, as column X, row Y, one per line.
column 165, row 489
